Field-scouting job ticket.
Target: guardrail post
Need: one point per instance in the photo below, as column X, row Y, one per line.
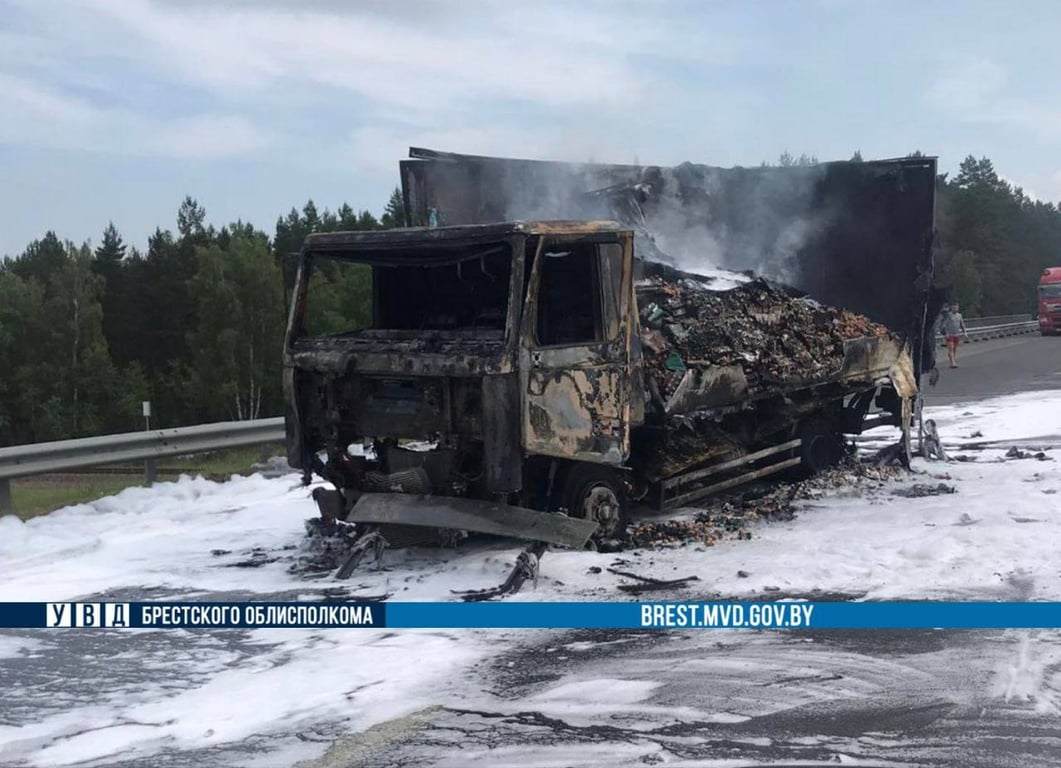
column 150, row 471
column 5, row 497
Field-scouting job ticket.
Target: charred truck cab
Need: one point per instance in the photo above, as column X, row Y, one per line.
column 456, row 384
column 502, row 373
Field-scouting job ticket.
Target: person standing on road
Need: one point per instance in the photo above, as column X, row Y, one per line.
column 953, row 329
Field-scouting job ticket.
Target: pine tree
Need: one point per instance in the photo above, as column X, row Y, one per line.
column 394, row 214
column 190, row 219
column 109, row 254
column 41, row 259
column 108, row 263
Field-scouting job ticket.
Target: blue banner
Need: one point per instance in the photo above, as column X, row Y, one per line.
column 786, row 614
column 209, row 615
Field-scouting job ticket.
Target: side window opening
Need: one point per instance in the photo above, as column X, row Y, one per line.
column 569, row 302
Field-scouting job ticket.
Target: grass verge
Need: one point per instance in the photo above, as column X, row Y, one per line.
column 32, row 496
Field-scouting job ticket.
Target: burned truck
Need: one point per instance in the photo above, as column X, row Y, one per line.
column 535, row 379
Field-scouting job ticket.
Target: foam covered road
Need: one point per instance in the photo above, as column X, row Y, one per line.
column 726, row 698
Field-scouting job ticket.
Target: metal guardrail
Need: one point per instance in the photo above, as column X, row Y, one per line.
column 149, row 445
column 982, row 322
column 982, row 333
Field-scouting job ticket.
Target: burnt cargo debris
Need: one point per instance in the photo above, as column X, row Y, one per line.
column 774, row 339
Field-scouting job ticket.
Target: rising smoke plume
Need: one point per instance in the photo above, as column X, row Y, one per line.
column 694, row 217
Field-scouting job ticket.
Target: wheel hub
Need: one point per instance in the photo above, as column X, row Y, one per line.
column 602, row 506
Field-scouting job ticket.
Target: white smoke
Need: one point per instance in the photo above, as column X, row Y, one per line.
column 708, row 221
column 701, row 228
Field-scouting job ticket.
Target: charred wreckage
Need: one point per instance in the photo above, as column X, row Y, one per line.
column 534, row 378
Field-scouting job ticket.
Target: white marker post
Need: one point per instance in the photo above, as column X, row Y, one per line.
column 150, row 465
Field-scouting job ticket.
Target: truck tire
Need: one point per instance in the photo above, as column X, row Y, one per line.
column 596, row 492
column 821, row 447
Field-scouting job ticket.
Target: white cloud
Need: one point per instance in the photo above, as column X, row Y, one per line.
column 26, row 103
column 550, row 55
column 377, row 148
column 967, row 86
column 979, row 91
column 385, row 60
column 37, row 115
column 208, row 136
column 1016, row 184
column 1053, row 186
column 482, row 77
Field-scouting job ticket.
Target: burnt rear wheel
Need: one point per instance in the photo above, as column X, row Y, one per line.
column 595, row 492
column 821, row 446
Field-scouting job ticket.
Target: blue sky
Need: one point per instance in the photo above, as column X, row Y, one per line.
column 117, row 109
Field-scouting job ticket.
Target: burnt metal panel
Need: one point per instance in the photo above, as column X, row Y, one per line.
column 610, row 260
column 576, row 397
column 472, row 515
column 388, row 354
column 414, row 245
column 397, row 407
column 294, row 440
column 501, row 429
column 578, row 413
column 703, row 388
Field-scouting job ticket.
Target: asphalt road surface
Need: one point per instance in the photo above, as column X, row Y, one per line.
column 731, row 698
column 997, row 367
column 727, row 698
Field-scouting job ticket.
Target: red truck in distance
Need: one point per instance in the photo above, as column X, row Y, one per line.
column 1050, row 301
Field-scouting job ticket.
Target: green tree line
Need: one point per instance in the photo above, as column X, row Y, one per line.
column 994, row 240
column 193, row 324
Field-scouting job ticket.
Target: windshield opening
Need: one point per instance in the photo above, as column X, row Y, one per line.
column 338, row 297
column 444, row 291
column 1050, row 291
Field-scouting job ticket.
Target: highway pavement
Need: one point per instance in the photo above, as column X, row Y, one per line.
column 997, row 367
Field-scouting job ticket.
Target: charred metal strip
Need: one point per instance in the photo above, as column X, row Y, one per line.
column 680, row 480
column 526, row 569
column 882, row 420
column 472, row 515
column 371, row 541
column 501, row 433
column 699, row 493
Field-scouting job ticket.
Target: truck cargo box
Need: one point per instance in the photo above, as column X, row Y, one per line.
column 857, row 235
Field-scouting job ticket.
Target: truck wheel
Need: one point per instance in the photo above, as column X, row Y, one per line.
column 595, row 492
column 820, row 446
